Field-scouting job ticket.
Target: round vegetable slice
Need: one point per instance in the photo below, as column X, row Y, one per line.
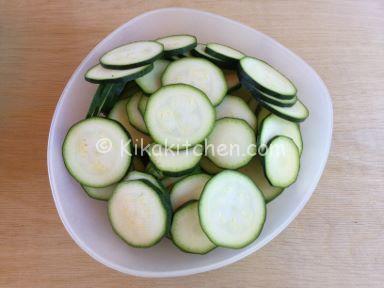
column 231, row 144
column 265, row 78
column 177, row 44
column 92, row 152
column 296, row 113
column 282, row 162
column 273, row 126
column 223, row 52
column 208, row 166
column 134, row 115
column 235, row 107
column 199, row 73
column 199, row 51
column 137, row 213
column 179, row 116
column 98, row 74
column 174, row 162
column 187, row 189
column 132, row 55
column 186, row 231
column 232, row 210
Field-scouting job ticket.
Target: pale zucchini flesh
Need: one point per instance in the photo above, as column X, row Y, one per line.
column 296, row 113
column 177, row 44
column 186, row 231
column 232, row 210
column 223, row 52
column 187, row 189
column 91, row 152
column 282, row 162
column 231, row 150
column 134, row 115
column 179, row 116
column 151, row 81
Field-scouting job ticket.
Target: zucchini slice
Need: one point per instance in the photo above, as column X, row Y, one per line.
column 134, row 115
column 174, row 162
column 177, row 44
column 261, row 96
column 282, row 162
column 261, row 114
column 137, row 213
column 187, row 189
column 119, row 114
column 132, row 55
column 199, row 73
column 235, row 107
column 179, row 116
column 98, row 74
column 143, row 104
column 169, row 181
column 273, row 126
column 296, row 113
column 199, row 51
column 224, row 52
column 91, row 152
column 254, row 170
column 232, row 210
column 186, row 231
column 151, row 81
column 232, row 143
column 208, row 166
column 265, row 78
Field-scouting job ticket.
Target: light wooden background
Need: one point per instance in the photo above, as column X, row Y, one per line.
column 338, row 239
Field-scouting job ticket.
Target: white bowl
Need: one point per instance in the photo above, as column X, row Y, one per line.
column 86, row 219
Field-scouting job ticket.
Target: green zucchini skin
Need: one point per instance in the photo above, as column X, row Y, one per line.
column 282, row 115
column 105, row 98
column 218, row 62
column 222, row 56
column 261, row 96
column 179, row 52
column 244, row 77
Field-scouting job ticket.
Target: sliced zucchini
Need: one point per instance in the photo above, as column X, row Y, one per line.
column 103, row 193
column 143, row 104
column 151, row 81
column 179, row 116
column 174, row 162
column 282, row 162
column 232, row 210
column 223, row 52
column 186, row 231
column 169, row 181
column 177, row 44
column 134, row 115
column 261, row 96
column 254, row 170
column 273, row 126
column 265, row 78
column 235, row 107
column 199, row 51
column 296, row 113
column 105, row 98
column 98, row 74
column 231, row 144
column 187, row 189
column 232, row 80
column 119, row 114
column 132, row 55
column 91, row 152
column 199, row 73
column 137, row 213
column 208, row 166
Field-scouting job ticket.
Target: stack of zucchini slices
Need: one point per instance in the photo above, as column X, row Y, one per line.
column 171, row 141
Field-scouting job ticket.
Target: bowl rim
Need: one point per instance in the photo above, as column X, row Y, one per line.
column 204, row 268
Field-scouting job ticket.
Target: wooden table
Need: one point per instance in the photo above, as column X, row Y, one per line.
column 338, row 239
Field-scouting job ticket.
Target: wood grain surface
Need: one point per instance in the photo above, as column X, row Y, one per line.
column 336, row 241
